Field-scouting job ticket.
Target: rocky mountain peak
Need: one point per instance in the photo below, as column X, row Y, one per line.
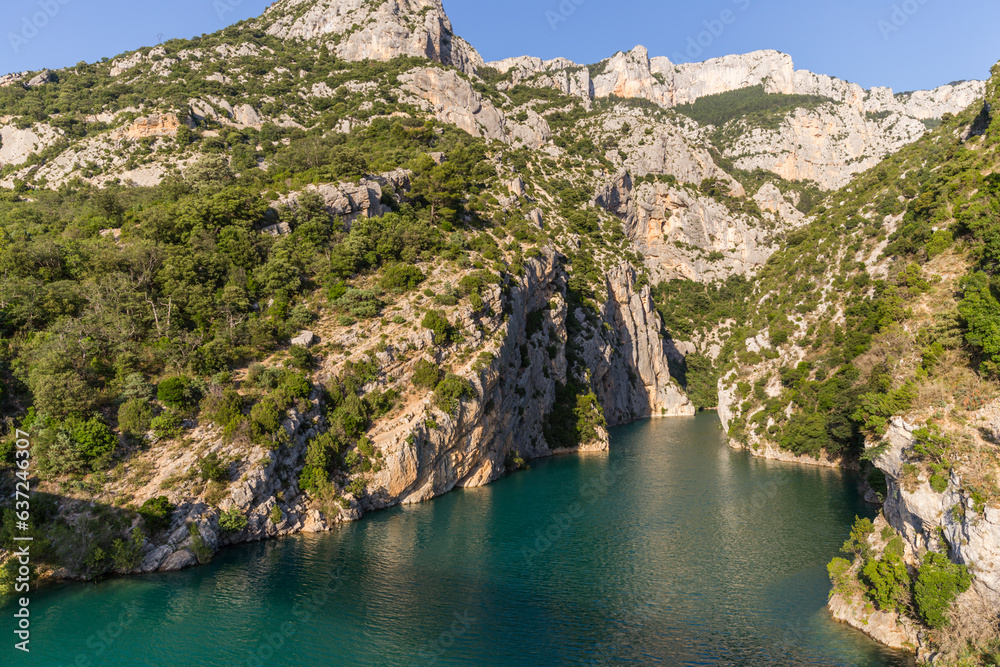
column 373, row 30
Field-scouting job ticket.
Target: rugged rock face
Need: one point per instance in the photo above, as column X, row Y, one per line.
column 636, row 348
column 453, row 100
column 427, row 452
column 629, row 75
column 347, row 201
column 886, row 627
column 828, row 145
column 949, row 522
column 683, row 235
column 646, row 146
column 17, row 144
column 690, row 81
column 268, row 480
column 635, row 74
column 926, row 104
column 154, row 125
column 629, row 374
column 562, row 74
column 363, row 30
column 12, row 78
column 218, row 109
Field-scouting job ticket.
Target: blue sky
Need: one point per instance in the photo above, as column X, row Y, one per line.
column 906, row 44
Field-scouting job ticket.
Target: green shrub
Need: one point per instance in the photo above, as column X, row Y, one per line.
column 276, row 515
column 73, row 445
column 265, row 419
column 322, row 458
column 201, row 550
column 157, row 513
column 446, row 300
column 357, row 487
column 426, row 374
column 301, row 358
column 9, row 574
column 888, row 582
column 223, row 408
column 293, row 386
column 176, row 392
column 838, row 569
column 857, row 543
column 362, row 304
column 575, row 418
column 232, row 521
column 436, row 321
column 939, row 582
column 211, row 468
column 127, row 554
column 451, row 391
column 167, row 424
column 135, row 417
column 402, row 277
column 981, row 312
column 263, row 377
column 93, row 439
column 940, row 241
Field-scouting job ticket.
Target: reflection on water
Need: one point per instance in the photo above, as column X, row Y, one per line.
column 670, row 550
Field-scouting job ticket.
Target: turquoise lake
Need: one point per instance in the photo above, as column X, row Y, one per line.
column 671, row 550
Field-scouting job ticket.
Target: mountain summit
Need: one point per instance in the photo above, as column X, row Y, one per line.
column 361, row 29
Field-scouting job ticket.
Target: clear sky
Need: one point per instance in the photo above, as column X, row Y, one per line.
column 906, row 44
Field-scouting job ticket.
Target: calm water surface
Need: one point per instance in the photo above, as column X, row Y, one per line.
column 672, row 550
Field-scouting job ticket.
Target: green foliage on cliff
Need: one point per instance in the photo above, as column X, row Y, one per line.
column 753, row 105
column 232, row 520
column 426, row 374
column 888, row 582
column 157, row 513
column 858, row 543
column 939, row 581
column 575, row 418
column 451, row 391
column 700, row 379
column 438, row 323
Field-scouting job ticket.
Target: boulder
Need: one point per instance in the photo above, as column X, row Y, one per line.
column 178, row 561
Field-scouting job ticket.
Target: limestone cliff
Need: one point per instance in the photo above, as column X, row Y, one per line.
column 635, row 74
column 828, row 145
column 425, row 452
column 363, row 30
column 954, row 521
column 17, row 144
column 682, row 234
column 154, row 125
column 453, row 100
column 851, row 134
